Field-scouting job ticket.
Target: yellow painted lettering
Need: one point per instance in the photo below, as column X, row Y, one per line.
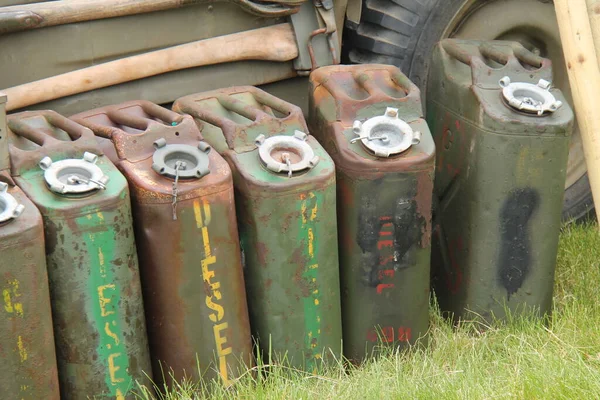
column 7, row 301
column 220, row 340
column 22, row 351
column 119, row 395
column 223, row 370
column 206, row 241
column 313, row 213
column 311, row 239
column 112, row 368
column 202, row 222
column 111, row 333
column 104, row 300
column 206, row 273
column 197, row 214
column 101, row 261
column 215, row 307
column 207, row 216
column 10, row 303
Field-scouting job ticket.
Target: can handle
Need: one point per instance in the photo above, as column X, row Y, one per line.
column 20, row 128
column 231, row 129
column 518, row 52
column 82, row 139
column 154, row 123
column 141, row 123
column 385, row 85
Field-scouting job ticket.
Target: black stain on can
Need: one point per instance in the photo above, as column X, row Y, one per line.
column 515, row 250
column 388, row 234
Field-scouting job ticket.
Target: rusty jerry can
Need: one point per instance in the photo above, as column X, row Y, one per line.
column 95, row 291
column 187, row 239
column 502, row 134
column 370, row 120
column 28, row 366
column 285, row 198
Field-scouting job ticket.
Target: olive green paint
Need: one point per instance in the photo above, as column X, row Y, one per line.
column 279, row 281
column 76, row 229
column 500, row 182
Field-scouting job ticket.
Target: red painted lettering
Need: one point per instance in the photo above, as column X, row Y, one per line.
column 404, row 334
column 382, row 286
column 385, row 243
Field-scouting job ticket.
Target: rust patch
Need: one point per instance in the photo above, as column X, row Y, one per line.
column 424, row 199
column 262, row 252
column 299, row 260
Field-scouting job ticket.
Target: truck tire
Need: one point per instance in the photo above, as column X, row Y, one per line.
column 404, row 32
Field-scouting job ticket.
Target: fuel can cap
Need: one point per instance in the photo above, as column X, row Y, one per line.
column 286, row 154
column 180, row 160
column 9, row 207
column 529, row 98
column 74, row 176
column 386, row 135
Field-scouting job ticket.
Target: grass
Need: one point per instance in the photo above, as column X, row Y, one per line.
column 523, row 358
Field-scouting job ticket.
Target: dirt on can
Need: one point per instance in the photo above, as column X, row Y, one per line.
column 370, row 120
column 95, row 291
column 187, row 240
column 28, row 366
column 502, row 133
column 285, row 199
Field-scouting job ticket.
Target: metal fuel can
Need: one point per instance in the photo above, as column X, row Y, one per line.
column 502, row 133
column 28, row 366
column 285, row 198
column 95, row 291
column 369, row 118
column 187, row 240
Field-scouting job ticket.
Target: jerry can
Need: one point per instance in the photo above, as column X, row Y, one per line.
column 502, row 133
column 28, row 366
column 95, row 292
column 285, row 197
column 187, row 240
column 370, row 120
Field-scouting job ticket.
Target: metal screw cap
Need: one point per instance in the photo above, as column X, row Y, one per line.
column 386, row 134
column 287, row 154
column 528, row 97
column 192, row 161
column 74, row 176
column 9, row 207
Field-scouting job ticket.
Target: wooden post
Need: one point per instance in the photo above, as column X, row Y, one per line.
column 584, row 76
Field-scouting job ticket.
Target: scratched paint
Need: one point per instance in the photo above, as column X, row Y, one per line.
column 214, row 299
column 500, row 184
column 27, row 349
column 309, row 208
column 105, row 297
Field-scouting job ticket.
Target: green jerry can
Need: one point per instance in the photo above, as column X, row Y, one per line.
column 502, row 134
column 285, row 198
column 95, row 291
column 370, row 120
column 187, row 240
column 28, row 366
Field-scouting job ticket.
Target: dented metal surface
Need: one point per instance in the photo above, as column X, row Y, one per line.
column 191, row 267
column 99, row 327
column 384, row 202
column 287, row 224
column 28, row 366
column 499, row 180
